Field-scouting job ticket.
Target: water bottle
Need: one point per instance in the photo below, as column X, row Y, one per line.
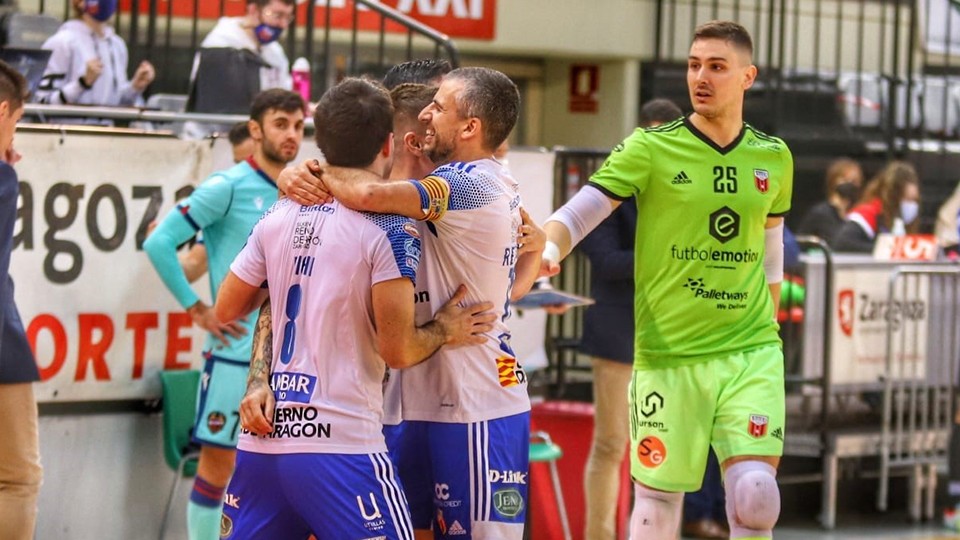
column 301, row 78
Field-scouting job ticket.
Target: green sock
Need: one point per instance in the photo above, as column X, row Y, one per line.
column 203, row 522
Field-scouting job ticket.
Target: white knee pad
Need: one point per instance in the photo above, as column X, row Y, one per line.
column 656, row 514
column 753, row 499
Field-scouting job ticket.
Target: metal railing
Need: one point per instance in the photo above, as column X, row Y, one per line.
column 170, row 37
column 846, row 71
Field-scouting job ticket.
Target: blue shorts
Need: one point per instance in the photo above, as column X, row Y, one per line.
column 467, row 481
column 222, row 386
column 392, row 435
column 332, row 496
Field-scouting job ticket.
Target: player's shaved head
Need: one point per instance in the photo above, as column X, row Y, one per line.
column 408, row 100
column 729, row 32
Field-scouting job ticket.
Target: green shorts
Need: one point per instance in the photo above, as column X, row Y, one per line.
column 222, row 386
column 734, row 403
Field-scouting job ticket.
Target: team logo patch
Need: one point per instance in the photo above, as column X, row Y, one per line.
column 651, row 452
column 758, row 425
column 508, row 502
column 226, row 526
column 761, row 179
column 507, row 371
column 845, row 313
column 215, row 422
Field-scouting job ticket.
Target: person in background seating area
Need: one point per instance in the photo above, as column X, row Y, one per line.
column 890, row 204
column 824, row 219
column 88, row 65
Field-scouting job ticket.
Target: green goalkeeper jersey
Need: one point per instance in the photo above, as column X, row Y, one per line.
column 701, row 291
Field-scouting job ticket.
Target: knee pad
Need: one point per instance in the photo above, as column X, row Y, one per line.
column 753, row 499
column 656, row 514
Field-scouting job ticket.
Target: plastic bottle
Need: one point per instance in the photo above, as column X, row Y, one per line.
column 301, row 78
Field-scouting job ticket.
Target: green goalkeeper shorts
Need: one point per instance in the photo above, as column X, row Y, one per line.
column 734, row 403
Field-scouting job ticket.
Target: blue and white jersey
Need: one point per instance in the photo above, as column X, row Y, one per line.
column 474, row 243
column 320, row 263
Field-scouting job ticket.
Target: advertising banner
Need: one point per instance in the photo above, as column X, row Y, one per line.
column 859, row 325
column 475, row 19
column 101, row 322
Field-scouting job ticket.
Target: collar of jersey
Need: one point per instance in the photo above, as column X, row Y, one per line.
column 256, row 167
column 709, row 142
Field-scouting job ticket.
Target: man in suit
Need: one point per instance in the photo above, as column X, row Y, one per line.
column 20, row 472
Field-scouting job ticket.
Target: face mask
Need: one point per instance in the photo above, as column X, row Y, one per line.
column 266, row 33
column 909, row 211
column 848, row 191
column 100, row 10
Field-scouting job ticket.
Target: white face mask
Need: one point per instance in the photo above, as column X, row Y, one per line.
column 909, row 211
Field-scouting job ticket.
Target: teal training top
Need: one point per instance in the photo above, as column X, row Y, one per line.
column 225, row 207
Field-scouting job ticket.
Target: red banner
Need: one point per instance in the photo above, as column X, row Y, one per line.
column 473, row 19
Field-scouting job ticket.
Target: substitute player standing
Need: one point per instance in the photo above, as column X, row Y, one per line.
column 465, row 411
column 225, row 208
column 711, row 192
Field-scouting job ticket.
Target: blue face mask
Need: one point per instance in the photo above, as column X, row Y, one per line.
column 100, row 10
column 267, row 33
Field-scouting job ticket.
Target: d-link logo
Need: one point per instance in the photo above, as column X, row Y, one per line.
column 724, row 224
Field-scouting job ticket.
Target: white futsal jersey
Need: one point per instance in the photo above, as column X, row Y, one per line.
column 320, row 263
column 473, row 243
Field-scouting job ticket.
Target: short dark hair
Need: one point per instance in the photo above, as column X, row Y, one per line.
column 263, row 3
column 423, row 71
column 238, row 133
column 13, row 86
column 352, row 121
column 274, row 99
column 728, row 31
column 659, row 111
column 408, row 100
column 490, row 96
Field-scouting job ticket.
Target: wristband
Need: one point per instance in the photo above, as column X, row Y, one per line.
column 551, row 252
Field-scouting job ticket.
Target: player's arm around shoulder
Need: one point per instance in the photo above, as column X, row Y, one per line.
column 403, row 344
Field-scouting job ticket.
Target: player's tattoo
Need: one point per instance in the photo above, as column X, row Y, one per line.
column 262, row 352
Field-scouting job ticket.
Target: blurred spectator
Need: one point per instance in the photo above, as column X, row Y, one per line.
column 20, row 471
column 241, row 142
column 948, row 236
column 88, row 65
column 890, row 204
column 258, row 32
column 608, row 339
column 425, row 71
column 824, row 219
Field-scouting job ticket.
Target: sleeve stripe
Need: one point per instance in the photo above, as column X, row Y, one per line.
column 185, row 212
column 607, row 192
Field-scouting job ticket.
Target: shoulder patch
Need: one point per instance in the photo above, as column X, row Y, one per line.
column 470, row 186
column 404, row 241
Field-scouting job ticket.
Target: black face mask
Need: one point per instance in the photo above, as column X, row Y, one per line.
column 849, row 192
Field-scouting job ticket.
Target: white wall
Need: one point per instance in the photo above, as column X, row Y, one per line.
column 616, row 116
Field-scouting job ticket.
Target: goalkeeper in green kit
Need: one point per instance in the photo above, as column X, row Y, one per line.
column 711, row 193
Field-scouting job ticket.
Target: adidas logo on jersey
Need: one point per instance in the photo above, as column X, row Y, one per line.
column 777, row 434
column 456, row 529
column 681, row 178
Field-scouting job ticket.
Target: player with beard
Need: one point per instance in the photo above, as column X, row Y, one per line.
column 225, row 208
column 466, row 411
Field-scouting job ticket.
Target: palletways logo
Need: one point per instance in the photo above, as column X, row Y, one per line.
column 701, row 290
